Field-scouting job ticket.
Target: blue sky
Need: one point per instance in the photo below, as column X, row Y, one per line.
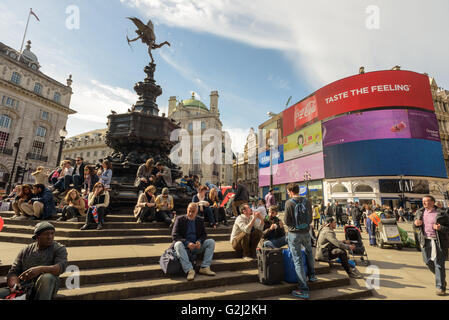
column 255, row 53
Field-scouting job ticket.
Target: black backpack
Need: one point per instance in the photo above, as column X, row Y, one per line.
column 302, row 218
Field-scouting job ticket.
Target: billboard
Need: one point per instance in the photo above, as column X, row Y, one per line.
column 294, row 170
column 278, row 157
column 381, row 124
column 386, row 157
column 370, row 90
column 300, row 114
column 304, row 142
column 264, row 177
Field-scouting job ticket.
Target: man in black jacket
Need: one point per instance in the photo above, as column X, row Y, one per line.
column 241, row 197
column 78, row 173
column 189, row 233
column 432, row 226
column 356, row 214
column 339, row 214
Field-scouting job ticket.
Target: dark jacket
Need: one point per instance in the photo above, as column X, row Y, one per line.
column 94, row 179
column 46, row 197
column 81, row 171
column 338, row 210
column 179, row 231
column 330, row 211
column 356, row 213
column 326, row 242
column 442, row 235
column 241, row 193
column 272, row 234
column 289, row 217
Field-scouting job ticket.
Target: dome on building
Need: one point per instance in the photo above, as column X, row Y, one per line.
column 194, row 103
column 28, row 54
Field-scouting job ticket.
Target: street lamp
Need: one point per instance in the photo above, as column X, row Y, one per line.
column 16, row 145
column 62, row 135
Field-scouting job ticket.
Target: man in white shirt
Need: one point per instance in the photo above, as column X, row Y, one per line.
column 65, row 178
column 247, row 232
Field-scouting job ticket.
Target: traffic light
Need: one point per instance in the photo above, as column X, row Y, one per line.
column 20, row 173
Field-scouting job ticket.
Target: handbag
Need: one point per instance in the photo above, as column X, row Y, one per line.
column 169, row 263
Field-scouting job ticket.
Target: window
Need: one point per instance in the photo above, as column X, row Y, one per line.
column 339, row 188
column 41, row 132
column 81, row 154
column 57, row 97
column 45, row 115
column 37, row 148
column 9, row 102
column 88, row 155
column 16, row 78
column 5, row 121
column 190, row 127
column 38, row 88
column 363, row 188
column 95, row 153
column 103, row 153
column 4, row 136
column 203, row 125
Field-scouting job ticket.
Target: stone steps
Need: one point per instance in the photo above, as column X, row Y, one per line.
column 253, row 290
column 109, row 218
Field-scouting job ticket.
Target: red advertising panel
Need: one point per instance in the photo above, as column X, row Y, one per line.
column 299, row 114
column 380, row 89
column 375, row 90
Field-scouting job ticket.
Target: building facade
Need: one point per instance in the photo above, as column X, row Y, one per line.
column 245, row 165
column 441, row 102
column 194, row 117
column 91, row 146
column 34, row 107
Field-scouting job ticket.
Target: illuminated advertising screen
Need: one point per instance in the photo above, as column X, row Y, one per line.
column 300, row 114
column 304, row 142
column 278, row 157
column 294, row 170
column 381, row 124
column 386, row 157
column 378, row 89
column 264, row 177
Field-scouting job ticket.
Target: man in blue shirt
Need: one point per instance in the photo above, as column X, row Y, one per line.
column 189, row 233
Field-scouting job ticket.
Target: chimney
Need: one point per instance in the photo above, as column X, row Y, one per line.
column 171, row 105
column 214, row 101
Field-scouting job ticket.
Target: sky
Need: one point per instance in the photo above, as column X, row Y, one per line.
column 256, row 53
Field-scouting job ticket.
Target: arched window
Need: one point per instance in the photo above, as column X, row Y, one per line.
column 339, row 188
column 363, row 188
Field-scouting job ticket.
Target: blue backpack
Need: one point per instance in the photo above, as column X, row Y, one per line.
column 302, row 218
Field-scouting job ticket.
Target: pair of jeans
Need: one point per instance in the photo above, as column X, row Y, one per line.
column 295, row 242
column 219, row 214
column 147, row 214
column 316, row 223
column 164, row 216
column 77, row 181
column 209, row 215
column 322, row 218
column 44, row 288
column 339, row 253
column 275, row 243
column 371, row 229
column 90, row 218
column 63, row 184
column 208, row 247
column 437, row 266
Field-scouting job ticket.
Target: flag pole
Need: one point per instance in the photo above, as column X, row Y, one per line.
column 24, row 35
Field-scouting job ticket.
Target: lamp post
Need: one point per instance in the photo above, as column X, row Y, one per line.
column 16, row 145
column 23, row 172
column 62, row 135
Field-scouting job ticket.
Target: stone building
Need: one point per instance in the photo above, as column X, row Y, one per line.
column 246, row 165
column 193, row 115
column 33, row 107
column 91, row 146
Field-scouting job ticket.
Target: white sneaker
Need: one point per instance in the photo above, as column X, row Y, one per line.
column 191, row 275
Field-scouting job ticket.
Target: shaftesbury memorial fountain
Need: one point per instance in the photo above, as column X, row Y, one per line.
column 141, row 134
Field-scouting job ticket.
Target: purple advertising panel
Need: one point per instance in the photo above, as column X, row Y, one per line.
column 294, row 170
column 381, row 124
column 264, row 177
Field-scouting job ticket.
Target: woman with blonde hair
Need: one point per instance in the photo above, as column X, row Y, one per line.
column 105, row 173
column 98, row 202
column 146, row 175
column 40, row 176
column 145, row 209
column 75, row 206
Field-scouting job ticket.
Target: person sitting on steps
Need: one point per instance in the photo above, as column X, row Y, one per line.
column 20, row 205
column 145, row 209
column 146, row 175
column 98, row 202
column 164, row 207
column 43, row 202
column 75, row 207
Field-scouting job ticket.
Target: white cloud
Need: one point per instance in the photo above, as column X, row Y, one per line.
column 238, row 138
column 324, row 40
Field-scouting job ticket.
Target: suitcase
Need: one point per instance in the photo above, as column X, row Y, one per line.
column 289, row 266
column 271, row 265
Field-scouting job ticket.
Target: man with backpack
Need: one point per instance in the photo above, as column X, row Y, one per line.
column 356, row 214
column 298, row 217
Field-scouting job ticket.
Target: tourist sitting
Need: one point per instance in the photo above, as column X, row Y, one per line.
column 189, row 234
column 329, row 248
column 54, row 175
column 38, row 266
column 204, row 210
column 164, row 207
column 75, row 207
column 64, row 179
column 43, row 202
column 246, row 233
column 105, row 174
column 78, row 173
column 214, row 204
column 163, row 176
column 40, row 176
column 22, row 209
column 146, row 175
column 241, row 197
column 13, row 194
column 90, row 179
column 273, row 230
column 98, row 202
column 145, row 209
column 260, row 207
column 185, row 182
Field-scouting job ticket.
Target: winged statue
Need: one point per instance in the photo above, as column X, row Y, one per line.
column 146, row 35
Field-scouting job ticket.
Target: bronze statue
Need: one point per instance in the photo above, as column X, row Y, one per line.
column 146, row 34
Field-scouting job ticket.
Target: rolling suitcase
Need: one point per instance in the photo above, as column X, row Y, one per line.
column 271, row 265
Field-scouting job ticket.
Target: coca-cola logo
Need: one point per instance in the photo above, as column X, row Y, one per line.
column 306, row 111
